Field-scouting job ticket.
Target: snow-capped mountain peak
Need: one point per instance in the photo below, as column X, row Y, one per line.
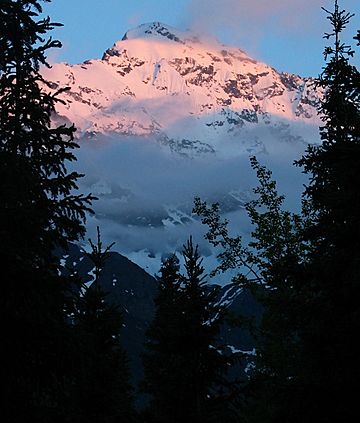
column 158, row 31
column 190, row 94
column 160, row 96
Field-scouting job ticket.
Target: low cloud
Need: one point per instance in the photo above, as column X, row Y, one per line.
column 140, row 185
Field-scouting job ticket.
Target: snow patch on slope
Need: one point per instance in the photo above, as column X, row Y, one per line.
column 166, row 116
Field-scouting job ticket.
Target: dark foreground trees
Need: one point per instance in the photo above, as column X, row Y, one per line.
column 101, row 391
column 38, row 212
column 331, row 288
column 305, row 269
column 44, row 348
column 39, row 209
column 184, row 369
column 270, row 267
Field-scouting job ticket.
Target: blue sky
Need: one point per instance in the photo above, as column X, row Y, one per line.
column 287, row 34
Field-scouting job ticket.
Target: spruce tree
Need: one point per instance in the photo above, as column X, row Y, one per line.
column 160, row 359
column 270, row 267
column 38, row 203
column 184, row 369
column 306, row 268
column 102, row 390
column 39, row 211
column 205, row 393
column 331, row 288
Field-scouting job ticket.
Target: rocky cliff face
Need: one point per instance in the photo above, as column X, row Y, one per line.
column 191, row 95
column 160, row 97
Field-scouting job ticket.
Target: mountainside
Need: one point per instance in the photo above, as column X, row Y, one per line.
column 187, row 93
column 159, row 97
column 133, row 291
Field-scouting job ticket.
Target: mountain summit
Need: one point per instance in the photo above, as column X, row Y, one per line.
column 189, row 94
column 161, row 96
column 156, row 30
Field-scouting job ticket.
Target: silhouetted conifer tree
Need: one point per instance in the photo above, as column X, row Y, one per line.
column 331, row 288
column 161, row 361
column 184, row 369
column 207, row 391
column 102, row 391
column 39, row 212
column 270, row 267
column 306, row 269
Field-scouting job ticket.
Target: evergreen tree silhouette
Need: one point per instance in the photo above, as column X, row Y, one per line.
column 103, row 392
column 205, row 398
column 305, row 269
column 270, row 267
column 160, row 359
column 331, row 289
column 39, row 212
column 184, row 370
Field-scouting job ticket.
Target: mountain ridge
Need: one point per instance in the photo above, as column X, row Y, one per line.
column 133, row 292
column 159, row 82
column 160, row 97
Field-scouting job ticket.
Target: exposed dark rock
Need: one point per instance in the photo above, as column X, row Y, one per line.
column 231, row 88
column 186, row 148
column 249, row 115
column 291, row 82
column 204, row 74
column 158, row 28
column 79, row 98
column 214, row 58
column 223, row 101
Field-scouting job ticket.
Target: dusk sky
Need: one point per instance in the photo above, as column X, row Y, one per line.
column 286, row 34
